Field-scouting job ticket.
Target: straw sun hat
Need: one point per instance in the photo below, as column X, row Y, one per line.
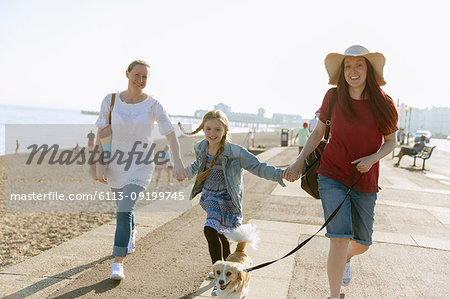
column 333, row 63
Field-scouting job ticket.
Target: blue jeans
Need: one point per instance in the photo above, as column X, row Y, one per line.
column 356, row 216
column 125, row 222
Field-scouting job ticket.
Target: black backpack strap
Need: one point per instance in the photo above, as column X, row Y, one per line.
column 328, row 123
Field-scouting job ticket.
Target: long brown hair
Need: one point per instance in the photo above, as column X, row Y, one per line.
column 382, row 106
column 222, row 118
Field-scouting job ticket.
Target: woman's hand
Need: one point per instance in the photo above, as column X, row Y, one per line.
column 364, row 163
column 294, row 171
column 178, row 171
column 100, row 171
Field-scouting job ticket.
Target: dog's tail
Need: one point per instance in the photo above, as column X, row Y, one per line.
column 244, row 234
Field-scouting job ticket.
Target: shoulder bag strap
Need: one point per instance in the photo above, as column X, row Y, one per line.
column 328, row 123
column 113, row 100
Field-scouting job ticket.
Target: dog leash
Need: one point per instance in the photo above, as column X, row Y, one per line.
column 324, row 225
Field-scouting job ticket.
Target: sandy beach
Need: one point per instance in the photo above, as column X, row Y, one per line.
column 26, row 234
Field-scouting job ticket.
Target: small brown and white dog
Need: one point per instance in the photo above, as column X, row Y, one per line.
column 231, row 279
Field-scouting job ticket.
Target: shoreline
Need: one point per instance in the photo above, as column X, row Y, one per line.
column 238, row 134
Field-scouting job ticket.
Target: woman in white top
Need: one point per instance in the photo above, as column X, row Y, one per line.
column 131, row 166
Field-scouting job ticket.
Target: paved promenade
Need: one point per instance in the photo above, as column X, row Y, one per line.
column 410, row 257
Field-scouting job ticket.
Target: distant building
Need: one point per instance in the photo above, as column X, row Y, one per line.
column 200, row 113
column 224, row 108
column 261, row 112
column 277, row 118
column 435, row 119
column 287, row 118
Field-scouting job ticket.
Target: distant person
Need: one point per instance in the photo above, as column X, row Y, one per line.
column 133, row 117
column 17, row 145
column 91, row 138
column 410, row 151
column 399, row 133
column 219, row 168
column 302, row 134
column 167, row 166
column 401, row 136
column 76, row 149
column 313, row 122
column 363, row 126
column 248, row 140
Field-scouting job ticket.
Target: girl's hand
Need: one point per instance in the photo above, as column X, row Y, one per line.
column 364, row 164
column 286, row 176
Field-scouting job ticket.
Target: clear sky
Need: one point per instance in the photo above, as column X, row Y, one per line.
column 245, row 53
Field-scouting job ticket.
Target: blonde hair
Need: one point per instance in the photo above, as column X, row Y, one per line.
column 222, row 118
column 137, row 62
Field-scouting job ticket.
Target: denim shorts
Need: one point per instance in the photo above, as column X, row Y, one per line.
column 355, row 218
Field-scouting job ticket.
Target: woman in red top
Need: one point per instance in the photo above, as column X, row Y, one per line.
column 363, row 127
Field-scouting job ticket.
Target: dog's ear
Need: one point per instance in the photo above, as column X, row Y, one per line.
column 240, row 273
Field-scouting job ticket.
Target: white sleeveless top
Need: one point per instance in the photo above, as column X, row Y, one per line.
column 132, row 126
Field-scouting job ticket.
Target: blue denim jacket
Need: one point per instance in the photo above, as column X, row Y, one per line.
column 235, row 159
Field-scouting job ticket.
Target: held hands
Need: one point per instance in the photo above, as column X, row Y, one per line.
column 294, row 171
column 179, row 173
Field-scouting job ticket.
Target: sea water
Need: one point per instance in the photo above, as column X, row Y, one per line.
column 10, row 115
column 22, row 117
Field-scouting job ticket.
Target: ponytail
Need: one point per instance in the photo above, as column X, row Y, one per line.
column 193, row 132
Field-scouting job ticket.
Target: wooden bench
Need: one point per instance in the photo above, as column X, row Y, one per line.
column 424, row 154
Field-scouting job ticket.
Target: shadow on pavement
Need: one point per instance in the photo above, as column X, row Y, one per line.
column 199, row 291
column 51, row 280
column 412, row 168
column 99, row 287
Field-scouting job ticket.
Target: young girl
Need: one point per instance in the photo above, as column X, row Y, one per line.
column 219, row 168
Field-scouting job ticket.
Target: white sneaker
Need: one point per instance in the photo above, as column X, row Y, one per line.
column 347, row 277
column 132, row 242
column 214, row 290
column 211, row 275
column 117, row 271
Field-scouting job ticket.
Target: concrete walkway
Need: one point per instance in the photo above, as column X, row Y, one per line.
column 410, row 257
